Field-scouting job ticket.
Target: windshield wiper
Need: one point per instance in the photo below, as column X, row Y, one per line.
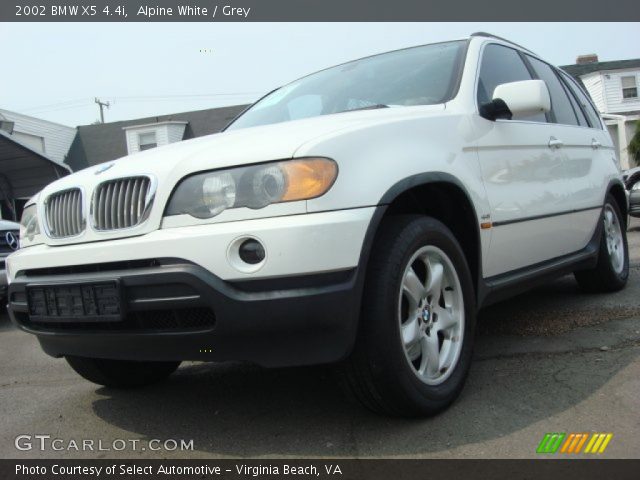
column 368, row 107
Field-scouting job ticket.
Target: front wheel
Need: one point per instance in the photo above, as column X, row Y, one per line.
column 612, row 270
column 121, row 373
column 417, row 321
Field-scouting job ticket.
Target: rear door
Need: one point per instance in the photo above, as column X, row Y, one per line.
column 579, row 146
column 523, row 174
column 592, row 175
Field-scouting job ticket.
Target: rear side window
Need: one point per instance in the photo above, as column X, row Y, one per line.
column 561, row 109
column 585, row 103
column 582, row 119
column 502, row 65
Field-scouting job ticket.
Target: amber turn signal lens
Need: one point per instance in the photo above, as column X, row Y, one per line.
column 308, row 178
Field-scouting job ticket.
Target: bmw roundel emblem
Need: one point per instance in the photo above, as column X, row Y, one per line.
column 103, row 168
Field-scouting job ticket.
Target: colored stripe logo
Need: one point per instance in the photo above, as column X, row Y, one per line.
column 598, row 443
column 550, row 443
column 573, row 443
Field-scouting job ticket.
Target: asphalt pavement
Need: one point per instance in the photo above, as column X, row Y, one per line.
column 552, row 360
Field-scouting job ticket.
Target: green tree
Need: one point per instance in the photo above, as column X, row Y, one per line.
column 634, row 145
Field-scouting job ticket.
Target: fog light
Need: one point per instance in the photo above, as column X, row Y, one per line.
column 251, row 251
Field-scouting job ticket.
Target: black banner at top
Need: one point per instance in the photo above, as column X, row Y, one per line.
column 317, row 10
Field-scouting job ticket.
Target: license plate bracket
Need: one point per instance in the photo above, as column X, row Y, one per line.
column 99, row 301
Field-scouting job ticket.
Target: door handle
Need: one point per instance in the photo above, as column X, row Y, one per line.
column 595, row 144
column 555, row 143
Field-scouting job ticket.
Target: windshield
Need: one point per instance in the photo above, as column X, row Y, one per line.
column 424, row 75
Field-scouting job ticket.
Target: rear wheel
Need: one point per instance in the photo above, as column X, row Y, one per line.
column 121, row 373
column 417, row 323
column 612, row 270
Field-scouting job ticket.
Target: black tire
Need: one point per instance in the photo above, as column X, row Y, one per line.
column 604, row 277
column 378, row 372
column 121, row 373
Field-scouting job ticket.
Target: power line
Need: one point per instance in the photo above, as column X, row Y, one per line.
column 57, row 104
column 198, row 95
column 87, row 100
column 68, row 107
column 181, row 100
column 81, row 102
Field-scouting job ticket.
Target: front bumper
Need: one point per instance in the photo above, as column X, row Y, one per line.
column 180, row 311
column 295, row 245
column 175, row 308
column 3, row 277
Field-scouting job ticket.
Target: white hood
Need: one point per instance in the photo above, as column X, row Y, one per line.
column 236, row 147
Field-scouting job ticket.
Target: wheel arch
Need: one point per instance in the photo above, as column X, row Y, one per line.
column 617, row 190
column 442, row 196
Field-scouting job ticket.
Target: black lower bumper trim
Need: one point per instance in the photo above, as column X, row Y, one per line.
column 276, row 322
column 3, row 281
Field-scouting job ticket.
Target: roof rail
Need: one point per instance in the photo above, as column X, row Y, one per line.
column 489, row 35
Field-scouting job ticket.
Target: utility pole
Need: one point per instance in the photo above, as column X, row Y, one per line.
column 101, row 105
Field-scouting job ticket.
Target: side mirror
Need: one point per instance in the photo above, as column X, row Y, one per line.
column 524, row 98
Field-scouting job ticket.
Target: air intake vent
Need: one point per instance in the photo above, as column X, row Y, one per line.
column 121, row 203
column 64, row 214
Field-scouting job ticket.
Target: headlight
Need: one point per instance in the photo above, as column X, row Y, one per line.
column 636, row 186
column 29, row 229
column 205, row 195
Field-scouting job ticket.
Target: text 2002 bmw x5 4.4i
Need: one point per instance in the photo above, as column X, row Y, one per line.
column 360, row 215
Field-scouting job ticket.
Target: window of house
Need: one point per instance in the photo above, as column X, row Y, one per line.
column 629, row 87
column 34, row 142
column 147, row 140
column 502, row 65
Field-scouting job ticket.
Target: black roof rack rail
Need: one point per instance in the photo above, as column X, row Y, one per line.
column 490, row 35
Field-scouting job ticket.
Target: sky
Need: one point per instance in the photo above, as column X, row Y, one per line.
column 55, row 70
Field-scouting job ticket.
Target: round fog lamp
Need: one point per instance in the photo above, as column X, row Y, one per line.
column 251, row 251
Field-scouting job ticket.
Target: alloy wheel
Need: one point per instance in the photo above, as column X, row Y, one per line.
column 613, row 236
column 431, row 315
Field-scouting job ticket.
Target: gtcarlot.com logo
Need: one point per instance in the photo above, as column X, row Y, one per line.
column 48, row 443
column 573, row 443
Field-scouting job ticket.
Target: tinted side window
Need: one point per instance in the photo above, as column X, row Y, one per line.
column 592, row 115
column 582, row 119
column 501, row 65
column 561, row 108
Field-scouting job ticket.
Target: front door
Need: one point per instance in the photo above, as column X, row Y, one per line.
column 524, row 175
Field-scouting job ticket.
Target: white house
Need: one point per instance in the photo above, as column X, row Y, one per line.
column 150, row 135
column 614, row 88
column 32, row 154
column 104, row 142
column 48, row 138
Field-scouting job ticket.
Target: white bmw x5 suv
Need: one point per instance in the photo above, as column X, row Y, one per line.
column 360, row 216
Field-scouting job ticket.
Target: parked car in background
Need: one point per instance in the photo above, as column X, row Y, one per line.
column 632, row 182
column 358, row 216
column 9, row 243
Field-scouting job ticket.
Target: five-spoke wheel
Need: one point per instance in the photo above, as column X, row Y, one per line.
column 613, row 236
column 612, row 268
column 431, row 314
column 415, row 341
